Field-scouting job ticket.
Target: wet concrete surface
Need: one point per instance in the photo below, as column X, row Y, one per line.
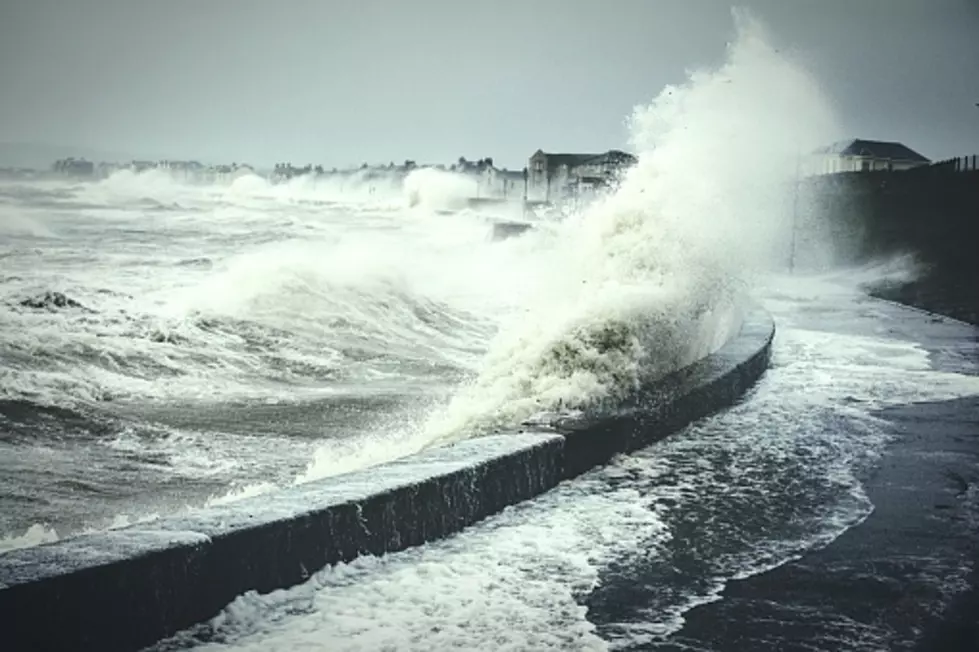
column 907, row 578
column 904, row 579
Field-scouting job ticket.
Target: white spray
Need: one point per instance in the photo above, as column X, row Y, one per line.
column 651, row 277
column 436, row 189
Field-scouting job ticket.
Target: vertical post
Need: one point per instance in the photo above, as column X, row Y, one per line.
column 795, row 213
column 526, row 189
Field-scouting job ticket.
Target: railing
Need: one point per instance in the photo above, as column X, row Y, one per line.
column 958, row 164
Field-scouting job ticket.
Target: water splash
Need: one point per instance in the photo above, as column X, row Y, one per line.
column 652, row 276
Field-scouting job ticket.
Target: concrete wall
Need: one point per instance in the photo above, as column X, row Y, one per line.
column 930, row 211
column 124, row 589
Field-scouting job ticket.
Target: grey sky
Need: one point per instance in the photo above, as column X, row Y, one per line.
column 339, row 82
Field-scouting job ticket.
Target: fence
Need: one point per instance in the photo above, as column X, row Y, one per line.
column 958, row 164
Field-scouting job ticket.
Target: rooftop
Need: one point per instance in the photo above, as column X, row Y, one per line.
column 574, row 160
column 878, row 149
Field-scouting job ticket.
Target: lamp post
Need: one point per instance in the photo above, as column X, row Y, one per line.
column 795, row 212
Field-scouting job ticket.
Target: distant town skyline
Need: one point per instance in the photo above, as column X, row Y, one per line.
column 43, row 156
column 340, row 84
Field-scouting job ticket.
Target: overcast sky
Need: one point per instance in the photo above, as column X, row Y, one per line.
column 339, row 82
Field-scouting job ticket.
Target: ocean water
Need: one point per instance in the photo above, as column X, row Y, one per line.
column 217, row 337
column 224, row 340
column 216, row 341
column 615, row 559
column 167, row 345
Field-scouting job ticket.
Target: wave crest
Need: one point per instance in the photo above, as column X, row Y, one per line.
column 438, row 190
column 654, row 274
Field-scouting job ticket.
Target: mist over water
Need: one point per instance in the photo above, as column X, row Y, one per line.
column 239, row 336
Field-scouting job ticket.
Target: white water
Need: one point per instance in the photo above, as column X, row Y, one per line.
column 647, row 279
column 437, row 189
column 315, row 293
column 697, row 223
column 327, row 279
column 227, row 331
column 518, row 580
column 660, row 266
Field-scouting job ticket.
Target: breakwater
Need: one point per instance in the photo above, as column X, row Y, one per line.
column 124, row 589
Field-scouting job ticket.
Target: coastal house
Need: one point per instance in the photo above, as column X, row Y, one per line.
column 502, row 183
column 179, row 166
column 228, row 173
column 184, row 170
column 554, row 176
column 284, row 171
column 859, row 155
column 142, row 166
column 475, row 168
column 76, row 167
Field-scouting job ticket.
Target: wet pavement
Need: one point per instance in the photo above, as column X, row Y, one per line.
column 904, row 579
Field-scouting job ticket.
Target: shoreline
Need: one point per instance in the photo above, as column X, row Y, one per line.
column 905, row 578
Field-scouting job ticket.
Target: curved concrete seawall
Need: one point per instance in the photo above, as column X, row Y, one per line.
column 125, row 589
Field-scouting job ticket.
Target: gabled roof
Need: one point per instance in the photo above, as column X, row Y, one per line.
column 611, row 156
column 557, row 160
column 574, row 160
column 882, row 150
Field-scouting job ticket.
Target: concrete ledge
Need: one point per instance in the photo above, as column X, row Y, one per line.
column 125, row 589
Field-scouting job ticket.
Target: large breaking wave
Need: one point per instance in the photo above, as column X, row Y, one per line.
column 652, row 276
column 251, row 334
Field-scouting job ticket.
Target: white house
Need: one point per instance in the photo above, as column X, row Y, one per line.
column 863, row 156
column 556, row 176
column 501, row 183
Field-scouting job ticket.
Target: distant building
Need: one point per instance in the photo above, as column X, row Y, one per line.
column 141, row 166
column 192, row 166
column 863, row 156
column 556, row 176
column 183, row 170
column 284, row 171
column 76, row 167
column 227, row 173
column 502, row 183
